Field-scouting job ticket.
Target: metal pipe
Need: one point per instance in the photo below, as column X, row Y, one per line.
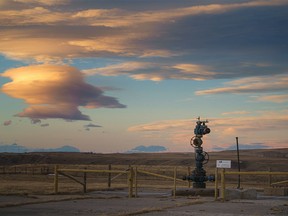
column 238, row 159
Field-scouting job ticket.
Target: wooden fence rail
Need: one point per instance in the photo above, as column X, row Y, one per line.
column 132, row 177
column 58, row 171
column 224, row 173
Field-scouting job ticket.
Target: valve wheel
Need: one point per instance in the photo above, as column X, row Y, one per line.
column 206, row 157
column 196, row 141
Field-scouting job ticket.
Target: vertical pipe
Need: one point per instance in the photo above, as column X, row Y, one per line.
column 223, row 184
column 238, row 159
column 56, row 179
column 216, row 184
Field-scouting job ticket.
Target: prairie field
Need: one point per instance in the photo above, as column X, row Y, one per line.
column 33, row 173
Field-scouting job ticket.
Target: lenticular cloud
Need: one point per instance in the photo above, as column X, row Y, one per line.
column 55, row 91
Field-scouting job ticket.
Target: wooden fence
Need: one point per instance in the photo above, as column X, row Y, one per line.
column 131, row 173
column 225, row 173
column 136, row 176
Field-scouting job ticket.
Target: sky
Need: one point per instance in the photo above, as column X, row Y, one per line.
column 108, row 76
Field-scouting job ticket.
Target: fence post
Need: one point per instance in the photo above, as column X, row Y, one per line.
column 188, row 174
column 270, row 177
column 216, row 184
column 223, row 184
column 56, row 179
column 84, row 180
column 136, row 183
column 130, row 182
column 109, row 176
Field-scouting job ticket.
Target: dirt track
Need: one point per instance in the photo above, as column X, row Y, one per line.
column 149, row 204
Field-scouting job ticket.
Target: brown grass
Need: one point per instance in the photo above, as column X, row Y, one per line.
column 27, row 177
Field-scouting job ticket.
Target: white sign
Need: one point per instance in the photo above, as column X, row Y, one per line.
column 223, row 163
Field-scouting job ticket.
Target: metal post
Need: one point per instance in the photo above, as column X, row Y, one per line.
column 130, row 182
column 136, row 182
column 238, row 159
column 56, row 179
column 216, row 184
column 84, row 181
column 188, row 173
column 223, row 184
column 109, row 176
column 270, row 177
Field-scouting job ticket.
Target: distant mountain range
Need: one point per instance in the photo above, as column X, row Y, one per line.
column 148, row 149
column 15, row 148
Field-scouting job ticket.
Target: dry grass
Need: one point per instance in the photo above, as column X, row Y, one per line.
column 12, row 184
column 19, row 184
column 19, row 176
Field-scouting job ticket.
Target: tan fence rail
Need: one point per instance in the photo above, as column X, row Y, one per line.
column 132, row 177
column 224, row 173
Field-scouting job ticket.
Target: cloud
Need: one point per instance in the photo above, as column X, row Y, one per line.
column 261, row 84
column 155, row 71
column 44, row 33
column 118, row 17
column 38, row 121
column 243, row 147
column 29, row 16
column 162, row 125
column 35, row 121
column 260, row 128
column 44, row 2
column 91, row 125
column 55, row 91
column 56, row 43
column 7, row 123
column 274, row 98
column 44, row 125
column 240, row 112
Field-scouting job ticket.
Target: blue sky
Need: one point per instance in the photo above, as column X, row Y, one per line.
column 107, row 76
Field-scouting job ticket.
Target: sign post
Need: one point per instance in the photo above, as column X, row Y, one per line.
column 223, row 164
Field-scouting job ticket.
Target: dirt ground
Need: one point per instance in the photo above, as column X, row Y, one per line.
column 149, row 203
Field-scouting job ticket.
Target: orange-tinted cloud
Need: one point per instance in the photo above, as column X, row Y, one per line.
column 252, row 84
column 109, row 31
column 55, row 91
column 155, row 71
column 44, row 2
column 274, row 98
column 117, row 17
column 238, row 112
column 223, row 130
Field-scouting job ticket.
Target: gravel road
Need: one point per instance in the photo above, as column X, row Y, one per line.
column 101, row 203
